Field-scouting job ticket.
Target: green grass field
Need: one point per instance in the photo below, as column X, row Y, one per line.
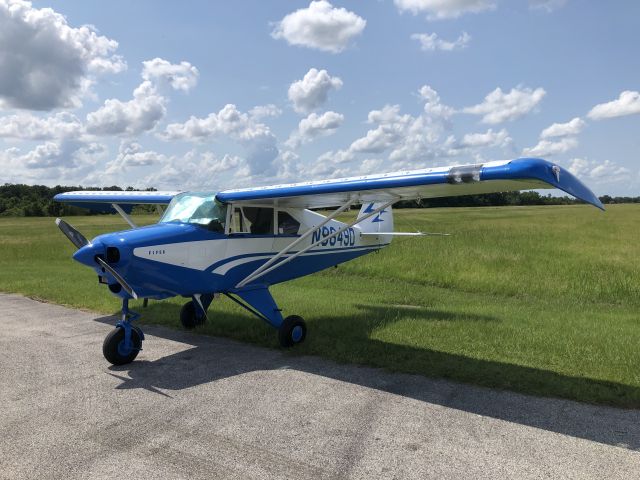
column 541, row 300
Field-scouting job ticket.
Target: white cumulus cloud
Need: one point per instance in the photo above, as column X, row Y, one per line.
column 321, row 26
column 228, row 121
column 198, row 171
column 131, row 154
column 433, row 106
column 596, row 172
column 487, row 139
column 391, row 129
column 315, row 126
column 255, row 137
column 44, row 62
column 262, row 111
column 551, row 147
column 438, row 9
column 27, row 126
column 499, row 106
column 430, row 42
column 312, row 91
column 136, row 116
column 408, row 138
column 572, row 127
column 181, row 76
column 54, row 155
column 628, row 103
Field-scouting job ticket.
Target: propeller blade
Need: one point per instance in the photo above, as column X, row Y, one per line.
column 72, row 234
column 117, row 276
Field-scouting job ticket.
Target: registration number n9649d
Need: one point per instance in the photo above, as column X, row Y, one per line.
column 346, row 238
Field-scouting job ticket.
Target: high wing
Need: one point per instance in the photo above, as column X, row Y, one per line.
column 503, row 176
column 103, row 201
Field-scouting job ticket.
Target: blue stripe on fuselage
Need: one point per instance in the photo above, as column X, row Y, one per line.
column 260, row 254
column 159, row 280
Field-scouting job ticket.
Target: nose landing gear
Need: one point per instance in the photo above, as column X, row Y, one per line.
column 123, row 343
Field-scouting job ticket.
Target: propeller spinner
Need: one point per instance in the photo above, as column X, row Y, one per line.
column 81, row 242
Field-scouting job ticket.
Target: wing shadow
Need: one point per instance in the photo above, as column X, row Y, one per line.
column 213, row 358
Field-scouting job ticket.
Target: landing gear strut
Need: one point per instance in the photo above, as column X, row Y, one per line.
column 194, row 313
column 124, row 342
column 257, row 300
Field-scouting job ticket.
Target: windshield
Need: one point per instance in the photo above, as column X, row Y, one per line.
column 198, row 208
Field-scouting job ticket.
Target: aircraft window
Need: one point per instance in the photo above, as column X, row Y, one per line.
column 261, row 220
column 198, row 209
column 287, row 225
column 239, row 223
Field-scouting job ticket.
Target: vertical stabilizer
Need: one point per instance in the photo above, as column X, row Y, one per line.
column 381, row 222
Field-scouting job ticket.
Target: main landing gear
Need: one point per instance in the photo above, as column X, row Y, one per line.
column 124, row 342
column 256, row 300
column 292, row 331
column 194, row 312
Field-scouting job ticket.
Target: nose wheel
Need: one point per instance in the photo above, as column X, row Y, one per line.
column 117, row 351
column 124, row 342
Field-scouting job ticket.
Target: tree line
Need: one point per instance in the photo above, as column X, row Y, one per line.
column 18, row 200
column 501, row 199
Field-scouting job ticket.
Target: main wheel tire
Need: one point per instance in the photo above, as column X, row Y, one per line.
column 188, row 316
column 292, row 331
column 114, row 349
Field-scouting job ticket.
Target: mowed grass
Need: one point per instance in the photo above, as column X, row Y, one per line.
column 541, row 300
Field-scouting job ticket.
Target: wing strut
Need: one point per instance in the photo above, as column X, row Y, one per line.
column 263, row 270
column 124, row 215
column 294, row 243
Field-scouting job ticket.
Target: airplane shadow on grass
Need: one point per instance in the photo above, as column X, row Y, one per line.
column 213, row 358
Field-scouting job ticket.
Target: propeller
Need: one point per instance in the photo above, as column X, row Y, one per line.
column 80, row 241
column 116, row 275
column 72, row 234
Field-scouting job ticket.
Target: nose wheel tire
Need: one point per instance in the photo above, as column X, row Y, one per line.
column 188, row 316
column 292, row 331
column 115, row 350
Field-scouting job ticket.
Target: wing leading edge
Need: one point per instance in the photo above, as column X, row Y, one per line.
column 520, row 174
column 101, row 201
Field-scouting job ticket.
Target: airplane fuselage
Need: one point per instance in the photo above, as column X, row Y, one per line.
column 170, row 259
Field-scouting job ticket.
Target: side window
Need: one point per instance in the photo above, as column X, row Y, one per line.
column 255, row 220
column 287, row 225
column 260, row 219
column 239, row 224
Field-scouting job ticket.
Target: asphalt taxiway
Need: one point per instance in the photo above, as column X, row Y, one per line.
column 193, row 407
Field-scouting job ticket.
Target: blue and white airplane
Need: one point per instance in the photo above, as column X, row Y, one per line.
column 240, row 242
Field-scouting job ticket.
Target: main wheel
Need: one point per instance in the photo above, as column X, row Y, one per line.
column 188, row 316
column 114, row 349
column 292, row 331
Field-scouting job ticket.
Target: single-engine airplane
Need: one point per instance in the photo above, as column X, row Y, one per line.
column 240, row 242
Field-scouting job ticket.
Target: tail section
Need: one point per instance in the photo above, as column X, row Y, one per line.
column 381, row 222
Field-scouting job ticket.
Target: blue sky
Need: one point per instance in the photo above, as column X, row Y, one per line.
column 214, row 95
